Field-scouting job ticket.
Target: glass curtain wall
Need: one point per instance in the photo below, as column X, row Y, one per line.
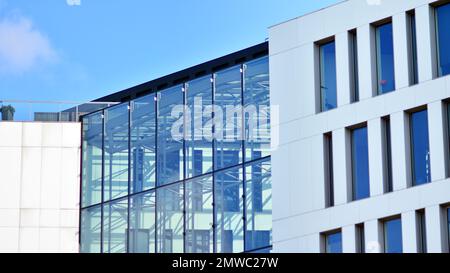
column 162, row 174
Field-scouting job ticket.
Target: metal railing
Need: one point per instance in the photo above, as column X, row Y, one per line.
column 48, row 111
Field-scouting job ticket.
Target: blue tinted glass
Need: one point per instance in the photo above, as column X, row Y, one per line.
column 92, row 159
column 443, row 37
column 258, row 193
column 393, row 236
column 198, row 127
column 415, row 68
column 448, row 225
column 116, row 152
column 91, row 230
column 199, row 215
column 385, row 59
column 420, row 148
column 228, row 192
column 228, row 129
column 257, row 109
column 334, row 243
column 142, row 228
column 143, row 144
column 170, row 220
column 328, row 76
column 360, row 164
column 115, row 224
column 170, row 136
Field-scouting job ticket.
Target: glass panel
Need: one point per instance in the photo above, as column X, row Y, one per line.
column 420, row 148
column 91, row 230
column 116, row 152
column 334, row 243
column 258, row 192
column 443, row 38
column 92, row 159
column 385, row 59
column 228, row 193
column 388, row 155
column 142, row 223
column 199, row 215
column 422, row 231
column 413, row 42
column 143, row 144
column 170, row 225
column 360, row 164
column 115, row 224
column 448, row 226
column 328, row 76
column 257, row 109
column 228, row 104
column 354, row 65
column 199, row 127
column 393, row 236
column 170, row 147
column 266, row 250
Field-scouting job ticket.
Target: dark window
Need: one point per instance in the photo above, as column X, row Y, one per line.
column 387, row 155
column 420, row 148
column 360, row 238
column 393, row 242
column 354, row 65
column 421, row 232
column 333, row 242
column 329, row 183
column 448, row 226
column 385, row 58
column 328, row 76
column 443, row 39
column 360, row 164
column 414, row 77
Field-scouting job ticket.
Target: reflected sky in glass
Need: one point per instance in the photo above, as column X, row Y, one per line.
column 385, row 59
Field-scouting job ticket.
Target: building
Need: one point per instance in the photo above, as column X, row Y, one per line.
column 363, row 160
column 155, row 180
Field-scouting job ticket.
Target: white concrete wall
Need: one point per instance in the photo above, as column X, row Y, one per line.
column 39, row 186
column 299, row 214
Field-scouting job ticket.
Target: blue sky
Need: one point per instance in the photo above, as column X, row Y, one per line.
column 50, row 50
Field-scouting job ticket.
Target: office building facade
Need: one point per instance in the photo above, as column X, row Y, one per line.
column 363, row 160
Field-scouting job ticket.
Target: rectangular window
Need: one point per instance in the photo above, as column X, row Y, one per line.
column 420, row 148
column 360, row 238
column 354, row 76
column 170, row 220
column 115, row 225
column 142, row 229
column 385, row 58
column 116, row 152
column 258, row 194
column 229, row 211
column 333, row 242
column 393, row 242
column 328, row 85
column 90, row 226
column 329, row 179
column 360, row 163
column 388, row 185
column 443, row 39
column 448, row 227
column 199, row 215
column 421, row 232
column 412, row 35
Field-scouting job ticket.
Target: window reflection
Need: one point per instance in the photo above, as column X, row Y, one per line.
column 328, row 76
column 142, row 229
column 393, row 242
column 360, row 164
column 91, row 225
column 443, row 39
column 385, row 58
column 421, row 164
column 115, row 220
column 333, row 242
column 92, row 159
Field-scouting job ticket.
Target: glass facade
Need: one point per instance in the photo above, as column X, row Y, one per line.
column 385, row 58
column 393, row 242
column 360, row 163
column 333, row 242
column 328, row 85
column 164, row 173
column 443, row 39
column 420, row 148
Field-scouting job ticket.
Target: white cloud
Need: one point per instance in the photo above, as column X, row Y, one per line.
column 22, row 47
